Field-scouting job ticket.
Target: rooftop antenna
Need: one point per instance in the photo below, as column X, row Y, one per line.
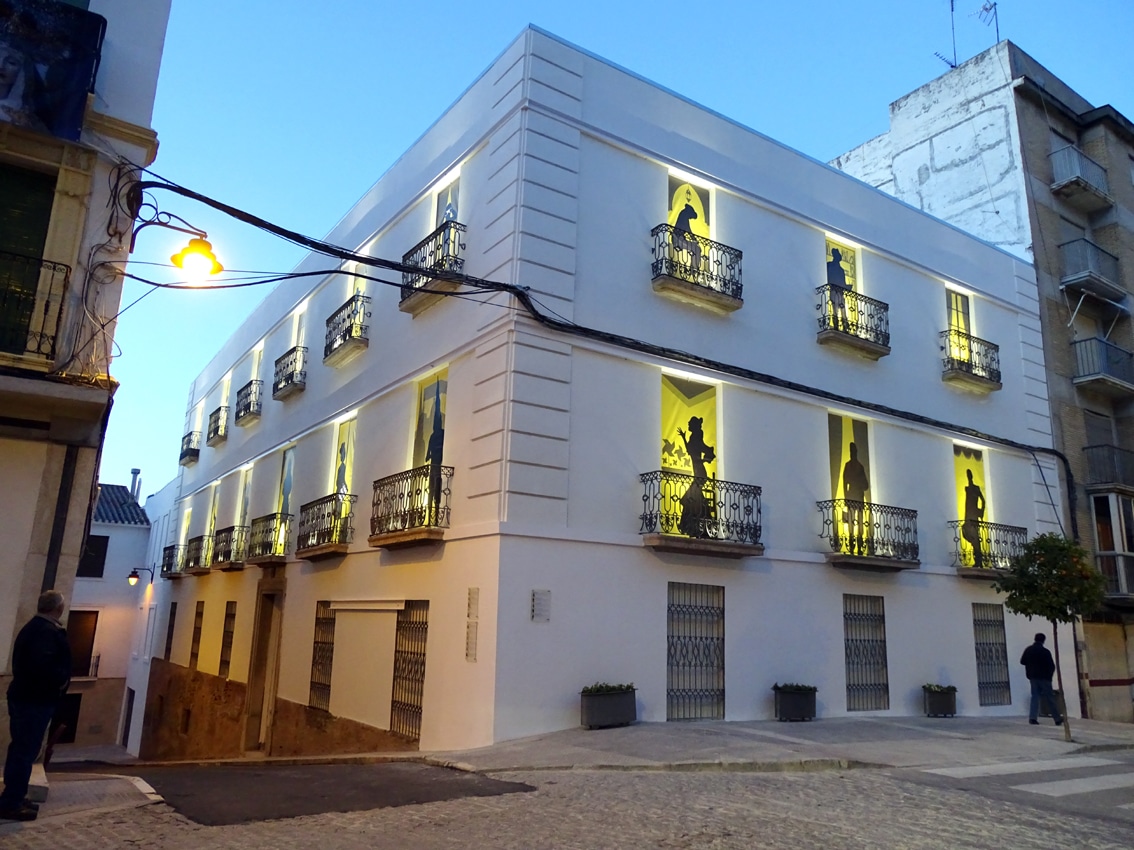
column 988, row 13
column 953, row 27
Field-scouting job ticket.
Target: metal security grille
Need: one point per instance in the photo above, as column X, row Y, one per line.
column 409, row 669
column 169, row 630
column 991, row 654
column 322, row 657
column 864, row 635
column 226, row 639
column 195, row 647
column 695, row 679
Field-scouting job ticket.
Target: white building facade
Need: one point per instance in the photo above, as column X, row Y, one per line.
column 721, row 427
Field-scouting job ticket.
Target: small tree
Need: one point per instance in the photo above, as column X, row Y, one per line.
column 1053, row 578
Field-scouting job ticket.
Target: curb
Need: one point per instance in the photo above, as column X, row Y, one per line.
column 798, row 766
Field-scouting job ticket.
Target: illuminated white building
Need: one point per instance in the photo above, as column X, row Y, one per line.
column 647, row 471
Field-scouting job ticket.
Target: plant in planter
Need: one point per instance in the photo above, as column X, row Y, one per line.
column 940, row 700
column 794, row 701
column 603, row 705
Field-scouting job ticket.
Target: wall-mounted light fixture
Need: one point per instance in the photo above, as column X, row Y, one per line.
column 133, row 577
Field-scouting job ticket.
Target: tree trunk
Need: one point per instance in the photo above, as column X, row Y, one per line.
column 1059, row 679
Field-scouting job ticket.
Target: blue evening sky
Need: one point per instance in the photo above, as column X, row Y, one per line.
column 291, row 110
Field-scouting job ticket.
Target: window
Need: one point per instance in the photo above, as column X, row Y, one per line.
column 26, row 198
column 972, row 505
column 169, row 631
column 195, row 647
column 1114, row 541
column 93, row 562
column 226, row 639
column 81, row 626
column 322, row 657
column 864, row 636
column 991, row 654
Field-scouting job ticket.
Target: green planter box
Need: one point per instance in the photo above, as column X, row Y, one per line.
column 602, row 711
column 940, row 703
column 795, row 705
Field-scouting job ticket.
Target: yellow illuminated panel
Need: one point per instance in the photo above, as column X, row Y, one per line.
column 960, row 348
column 344, row 457
column 688, row 207
column 287, row 472
column 973, row 507
column 429, row 428
column 690, row 408
column 849, row 450
column 842, row 278
column 447, row 203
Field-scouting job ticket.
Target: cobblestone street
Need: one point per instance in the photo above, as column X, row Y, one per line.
column 624, row 809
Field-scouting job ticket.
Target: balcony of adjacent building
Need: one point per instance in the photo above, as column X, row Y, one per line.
column 290, row 376
column 348, row 333
column 1109, row 468
column 1087, row 268
column 869, row 536
column 268, row 540
column 1118, row 571
column 970, row 362
column 190, row 448
column 326, row 527
column 684, row 514
column 437, row 253
column 172, row 561
column 985, row 550
column 218, row 427
column 31, row 307
column 853, row 322
column 1104, row 368
column 230, row 548
column 249, row 403
column 696, row 270
column 199, row 554
column 1079, row 180
column 411, row 508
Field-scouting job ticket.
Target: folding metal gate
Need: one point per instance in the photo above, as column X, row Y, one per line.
column 695, row 686
column 864, row 636
column 409, row 669
column 993, row 684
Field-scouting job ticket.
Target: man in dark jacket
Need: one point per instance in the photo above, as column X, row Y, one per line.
column 41, row 672
column 1040, row 667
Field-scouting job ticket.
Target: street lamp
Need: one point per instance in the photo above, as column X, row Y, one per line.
column 133, row 577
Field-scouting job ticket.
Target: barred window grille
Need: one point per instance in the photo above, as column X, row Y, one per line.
column 322, row 657
column 410, row 639
column 195, row 647
column 864, row 635
column 226, row 639
column 695, row 686
column 169, row 630
column 993, row 684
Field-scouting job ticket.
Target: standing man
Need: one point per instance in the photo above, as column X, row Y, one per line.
column 1040, row 667
column 855, row 485
column 41, row 672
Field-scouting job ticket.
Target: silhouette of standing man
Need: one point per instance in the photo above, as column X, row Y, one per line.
column 855, row 485
column 433, row 451
column 974, row 513
column 837, row 281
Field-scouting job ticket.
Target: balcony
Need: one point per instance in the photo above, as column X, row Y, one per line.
column 268, row 540
column 970, row 362
column 696, row 270
column 218, row 427
column 230, row 548
column 172, row 562
column 440, row 251
column 199, row 554
column 701, row 516
column 1088, row 268
column 290, row 374
column 853, row 322
column 1079, row 180
column 190, row 448
column 326, row 527
column 990, row 547
column 31, row 305
column 1109, row 467
column 868, row 536
column 411, row 508
column 1118, row 570
column 348, row 335
column 249, row 403
column 1104, row 368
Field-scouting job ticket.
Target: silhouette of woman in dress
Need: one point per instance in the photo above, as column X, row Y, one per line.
column 694, row 507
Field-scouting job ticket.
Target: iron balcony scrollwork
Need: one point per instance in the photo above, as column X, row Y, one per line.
column 991, row 546
column 230, row 545
column 440, row 251
column 721, row 510
column 967, row 353
column 697, row 260
column 198, row 552
column 347, row 324
column 869, row 530
column 1097, row 357
column 326, row 521
column 249, row 401
column 172, row 561
column 218, row 426
column 31, row 304
column 1109, row 465
column 854, row 314
column 190, row 448
column 268, row 536
column 290, row 372
column 417, row 498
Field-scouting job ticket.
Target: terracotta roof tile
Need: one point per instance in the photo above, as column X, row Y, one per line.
column 116, row 505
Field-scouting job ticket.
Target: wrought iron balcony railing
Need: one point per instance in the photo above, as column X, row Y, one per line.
column 249, row 401
column 230, row 545
column 199, row 553
column 440, row 251
column 1082, row 258
column 696, row 260
column 31, row 304
column 969, row 354
column 347, row 326
column 190, row 448
column 268, row 536
column 218, row 426
column 704, row 508
column 172, row 561
column 1109, row 465
column 290, row 373
column 869, row 530
column 417, row 498
column 1118, row 570
column 327, row 521
column 1097, row 358
column 986, row 545
column 854, row 314
column 1070, row 163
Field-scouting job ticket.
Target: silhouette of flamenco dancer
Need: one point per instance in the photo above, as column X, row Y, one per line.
column 695, row 509
column 837, row 283
column 683, row 238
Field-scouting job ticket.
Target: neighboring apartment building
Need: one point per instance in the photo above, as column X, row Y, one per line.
column 1003, row 148
column 76, row 97
column 731, row 418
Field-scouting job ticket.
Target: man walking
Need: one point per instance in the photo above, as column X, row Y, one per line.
column 41, row 672
column 1040, row 667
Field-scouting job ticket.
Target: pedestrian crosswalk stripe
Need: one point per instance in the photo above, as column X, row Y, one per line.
column 1064, row 787
column 1005, row 768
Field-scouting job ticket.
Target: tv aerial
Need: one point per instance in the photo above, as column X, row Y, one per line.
column 953, row 26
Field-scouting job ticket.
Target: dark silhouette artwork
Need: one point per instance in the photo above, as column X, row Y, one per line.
column 696, row 510
column 684, row 239
column 855, row 485
column 837, row 285
column 974, row 513
column 341, row 474
column 433, row 452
